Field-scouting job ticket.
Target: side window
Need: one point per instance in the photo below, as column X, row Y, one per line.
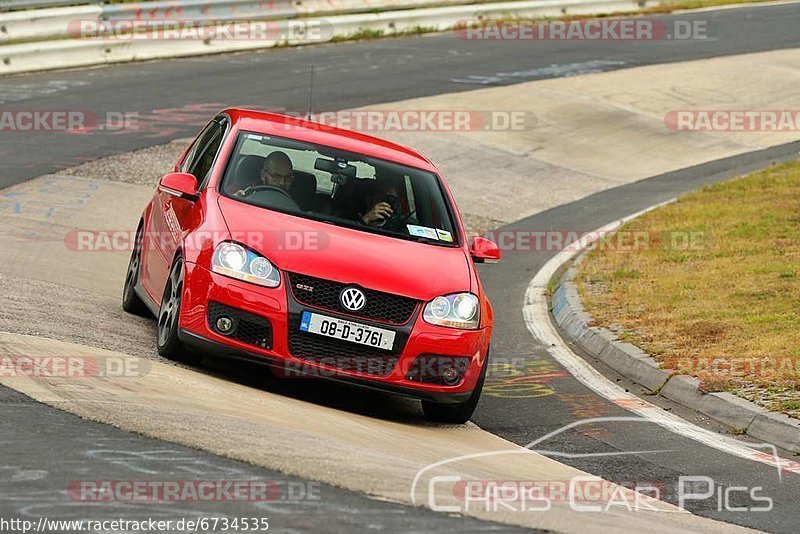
column 205, row 158
column 201, row 156
column 202, row 141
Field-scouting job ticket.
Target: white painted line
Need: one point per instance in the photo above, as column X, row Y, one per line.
column 537, row 318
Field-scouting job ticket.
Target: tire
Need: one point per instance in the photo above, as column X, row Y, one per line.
column 131, row 302
column 167, row 342
column 458, row 413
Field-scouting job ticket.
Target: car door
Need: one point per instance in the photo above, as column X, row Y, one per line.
column 171, row 216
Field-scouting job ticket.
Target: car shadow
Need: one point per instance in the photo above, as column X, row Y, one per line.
column 359, row 400
column 353, row 399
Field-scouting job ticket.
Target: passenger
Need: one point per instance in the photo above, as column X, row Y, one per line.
column 374, row 206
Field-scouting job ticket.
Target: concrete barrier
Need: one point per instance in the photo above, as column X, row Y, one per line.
column 221, row 10
column 40, row 24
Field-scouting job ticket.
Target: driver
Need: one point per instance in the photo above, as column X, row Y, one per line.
column 277, row 172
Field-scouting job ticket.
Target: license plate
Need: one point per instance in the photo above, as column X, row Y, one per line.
column 347, row 330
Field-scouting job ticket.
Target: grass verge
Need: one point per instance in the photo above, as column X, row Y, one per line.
column 713, row 287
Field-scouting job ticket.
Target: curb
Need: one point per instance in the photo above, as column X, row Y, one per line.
column 634, row 364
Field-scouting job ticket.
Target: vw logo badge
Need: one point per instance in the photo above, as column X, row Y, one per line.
column 352, row 299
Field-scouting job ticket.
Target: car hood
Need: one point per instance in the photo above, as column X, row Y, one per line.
column 408, row 268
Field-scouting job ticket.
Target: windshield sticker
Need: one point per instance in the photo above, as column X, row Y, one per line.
column 255, row 137
column 444, row 235
column 422, row 231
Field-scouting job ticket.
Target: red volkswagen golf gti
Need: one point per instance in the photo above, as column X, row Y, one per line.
column 320, row 251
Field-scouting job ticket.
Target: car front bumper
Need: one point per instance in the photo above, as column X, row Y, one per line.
column 279, row 307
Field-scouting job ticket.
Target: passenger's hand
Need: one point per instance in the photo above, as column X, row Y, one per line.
column 379, row 213
column 241, row 193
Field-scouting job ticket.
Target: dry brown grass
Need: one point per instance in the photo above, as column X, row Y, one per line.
column 716, row 291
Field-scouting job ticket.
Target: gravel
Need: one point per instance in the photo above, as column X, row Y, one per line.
column 141, row 167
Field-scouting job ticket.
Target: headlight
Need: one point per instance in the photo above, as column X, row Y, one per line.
column 234, row 260
column 461, row 310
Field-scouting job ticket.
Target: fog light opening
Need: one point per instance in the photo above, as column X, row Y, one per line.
column 224, row 325
column 434, row 369
column 450, row 375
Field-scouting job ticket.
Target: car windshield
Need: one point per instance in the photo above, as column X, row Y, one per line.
column 343, row 188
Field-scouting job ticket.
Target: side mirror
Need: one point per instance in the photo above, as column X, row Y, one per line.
column 179, row 184
column 484, row 250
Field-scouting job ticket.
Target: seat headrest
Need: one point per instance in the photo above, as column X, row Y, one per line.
column 304, row 181
column 304, row 190
column 249, row 168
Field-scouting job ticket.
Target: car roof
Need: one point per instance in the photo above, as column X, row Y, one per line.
column 339, row 138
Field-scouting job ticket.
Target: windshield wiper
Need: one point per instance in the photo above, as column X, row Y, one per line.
column 428, row 240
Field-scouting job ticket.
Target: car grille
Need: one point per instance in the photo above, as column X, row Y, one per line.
column 342, row 355
column 380, row 306
column 248, row 328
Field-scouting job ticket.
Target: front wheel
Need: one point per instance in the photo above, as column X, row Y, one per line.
column 457, row 413
column 169, row 346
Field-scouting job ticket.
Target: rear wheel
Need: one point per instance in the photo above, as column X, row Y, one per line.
column 457, row 413
column 131, row 302
column 167, row 340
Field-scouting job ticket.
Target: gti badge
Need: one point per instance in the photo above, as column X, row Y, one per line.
column 352, row 299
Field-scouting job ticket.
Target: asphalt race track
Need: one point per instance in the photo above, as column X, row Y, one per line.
column 523, row 420
column 43, row 443
column 178, row 96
